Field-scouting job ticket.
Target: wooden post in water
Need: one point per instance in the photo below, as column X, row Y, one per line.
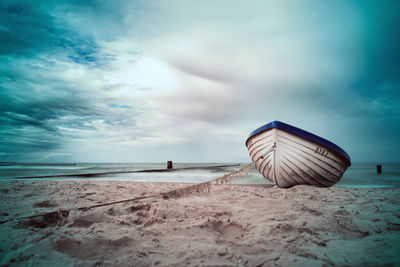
column 379, row 169
column 169, row 164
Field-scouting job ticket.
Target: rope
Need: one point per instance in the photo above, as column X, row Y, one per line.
column 201, row 187
column 206, row 186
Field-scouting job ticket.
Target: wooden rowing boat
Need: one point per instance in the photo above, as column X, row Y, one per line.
column 288, row 156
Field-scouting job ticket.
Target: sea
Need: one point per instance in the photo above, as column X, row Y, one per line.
column 359, row 175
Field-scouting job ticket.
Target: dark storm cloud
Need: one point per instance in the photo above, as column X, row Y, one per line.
column 28, row 29
column 38, row 43
column 32, row 122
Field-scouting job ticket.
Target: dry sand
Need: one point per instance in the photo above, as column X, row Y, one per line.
column 231, row 226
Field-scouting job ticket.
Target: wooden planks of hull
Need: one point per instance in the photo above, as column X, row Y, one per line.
column 294, row 160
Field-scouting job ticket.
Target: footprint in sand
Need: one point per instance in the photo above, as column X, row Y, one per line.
column 88, row 219
column 46, row 220
column 83, row 249
column 139, row 207
column 228, row 230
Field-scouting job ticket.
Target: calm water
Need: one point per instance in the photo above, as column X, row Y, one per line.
column 358, row 175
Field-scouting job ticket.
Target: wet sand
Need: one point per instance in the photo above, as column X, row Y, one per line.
column 231, row 226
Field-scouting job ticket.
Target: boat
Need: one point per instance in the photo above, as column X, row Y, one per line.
column 289, row 156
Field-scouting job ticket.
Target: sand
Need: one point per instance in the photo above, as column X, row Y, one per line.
column 231, row 226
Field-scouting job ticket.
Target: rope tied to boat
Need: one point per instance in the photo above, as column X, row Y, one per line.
column 206, row 186
column 175, row 193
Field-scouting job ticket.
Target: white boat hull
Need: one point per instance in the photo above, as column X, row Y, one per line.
column 294, row 160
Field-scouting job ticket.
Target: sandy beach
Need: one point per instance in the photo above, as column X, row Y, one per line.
column 234, row 225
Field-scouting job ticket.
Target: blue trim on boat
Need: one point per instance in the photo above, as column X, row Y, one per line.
column 301, row 133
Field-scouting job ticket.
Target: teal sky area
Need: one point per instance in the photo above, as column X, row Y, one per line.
column 150, row 81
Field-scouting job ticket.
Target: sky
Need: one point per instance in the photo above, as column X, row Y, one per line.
column 151, row 81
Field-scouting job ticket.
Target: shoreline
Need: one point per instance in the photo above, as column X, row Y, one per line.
column 265, row 185
column 232, row 225
column 121, row 172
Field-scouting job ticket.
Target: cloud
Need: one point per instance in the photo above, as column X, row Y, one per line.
column 50, row 85
column 325, row 79
column 149, row 80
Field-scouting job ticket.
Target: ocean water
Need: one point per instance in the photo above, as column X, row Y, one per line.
column 358, row 175
column 365, row 175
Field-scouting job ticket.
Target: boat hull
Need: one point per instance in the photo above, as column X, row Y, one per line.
column 287, row 159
